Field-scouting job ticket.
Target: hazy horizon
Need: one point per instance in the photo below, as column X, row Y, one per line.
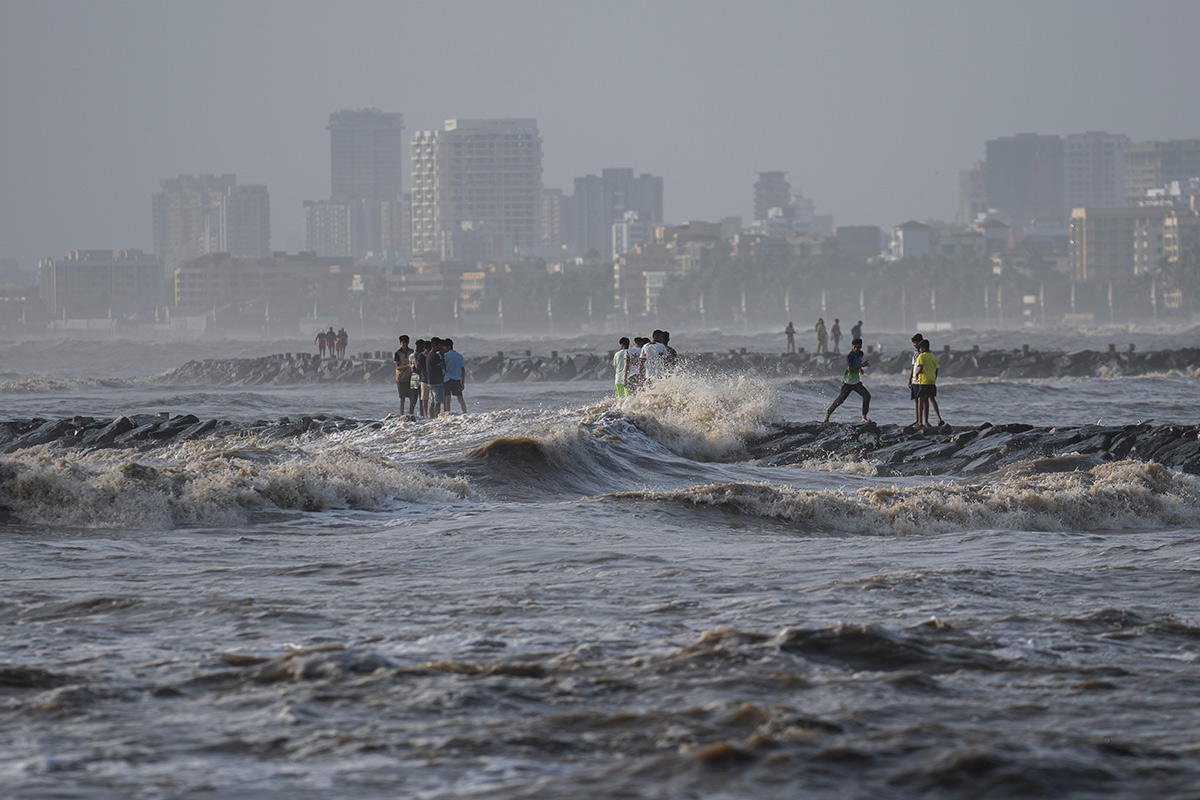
column 872, row 108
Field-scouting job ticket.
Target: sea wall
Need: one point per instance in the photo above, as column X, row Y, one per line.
column 888, row 449
column 306, row 368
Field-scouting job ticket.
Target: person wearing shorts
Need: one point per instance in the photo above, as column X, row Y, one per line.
column 620, row 364
column 455, row 371
column 435, row 367
column 403, row 360
column 927, row 370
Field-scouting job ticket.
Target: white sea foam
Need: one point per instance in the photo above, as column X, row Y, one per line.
column 702, row 416
column 45, row 384
column 1121, row 495
column 204, row 483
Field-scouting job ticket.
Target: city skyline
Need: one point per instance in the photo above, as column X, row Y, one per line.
column 872, row 110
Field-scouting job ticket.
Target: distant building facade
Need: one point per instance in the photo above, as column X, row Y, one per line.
column 1094, row 170
column 1108, row 243
column 476, row 183
column 89, row 284
column 1153, row 165
column 602, row 200
column 327, row 228
column 366, row 160
column 558, row 219
column 1024, row 177
column 219, row 279
column 193, row 215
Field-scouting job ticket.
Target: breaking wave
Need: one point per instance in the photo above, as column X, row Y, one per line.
column 1120, row 495
column 203, row 485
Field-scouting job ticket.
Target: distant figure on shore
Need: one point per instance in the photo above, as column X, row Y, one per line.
column 320, row 340
column 856, row 330
column 927, row 370
column 403, row 361
column 822, row 336
column 620, row 364
column 455, row 371
column 790, row 333
column 836, row 334
column 343, row 339
column 331, row 342
column 852, row 381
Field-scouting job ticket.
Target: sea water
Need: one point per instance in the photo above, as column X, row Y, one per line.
column 563, row 595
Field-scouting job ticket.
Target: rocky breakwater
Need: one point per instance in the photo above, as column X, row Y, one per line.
column 945, row 450
column 305, row 368
column 144, row 431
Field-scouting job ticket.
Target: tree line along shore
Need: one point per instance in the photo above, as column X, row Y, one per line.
column 287, row 369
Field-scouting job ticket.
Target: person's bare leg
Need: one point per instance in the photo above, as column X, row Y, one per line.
column 936, row 410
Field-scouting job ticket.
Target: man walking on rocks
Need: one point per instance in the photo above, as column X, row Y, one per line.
column 852, row 381
column 822, row 336
column 836, row 334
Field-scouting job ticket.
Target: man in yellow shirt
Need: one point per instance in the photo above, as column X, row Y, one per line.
column 927, row 370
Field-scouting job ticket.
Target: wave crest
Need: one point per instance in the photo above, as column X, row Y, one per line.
column 205, row 487
column 1121, row 495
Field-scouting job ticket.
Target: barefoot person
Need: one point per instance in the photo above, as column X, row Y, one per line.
column 852, row 381
column 454, row 374
column 620, row 364
column 927, row 370
column 404, row 371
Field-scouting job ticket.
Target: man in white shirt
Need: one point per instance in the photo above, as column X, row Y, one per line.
column 654, row 357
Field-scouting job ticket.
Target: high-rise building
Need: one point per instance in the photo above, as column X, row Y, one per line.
column 327, row 228
column 477, row 187
column 366, row 158
column 194, row 215
column 972, row 194
column 1094, row 170
column 601, row 201
column 1024, row 177
column 558, row 219
column 771, row 190
column 246, row 222
column 1154, row 165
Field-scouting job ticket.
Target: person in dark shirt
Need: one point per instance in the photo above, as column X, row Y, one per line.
column 423, row 375
column 435, row 366
column 852, row 381
column 404, row 375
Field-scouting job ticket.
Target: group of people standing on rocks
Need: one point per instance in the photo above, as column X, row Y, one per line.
column 333, row 343
column 823, row 335
column 428, row 375
column 922, row 380
column 642, row 360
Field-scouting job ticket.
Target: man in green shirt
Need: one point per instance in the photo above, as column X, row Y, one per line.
column 852, row 381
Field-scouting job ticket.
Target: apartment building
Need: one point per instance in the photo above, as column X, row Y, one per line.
column 482, row 176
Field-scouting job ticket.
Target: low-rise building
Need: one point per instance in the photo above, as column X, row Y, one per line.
column 89, row 284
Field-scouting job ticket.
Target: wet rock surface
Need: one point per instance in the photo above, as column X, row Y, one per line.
column 305, row 368
column 142, row 431
column 947, row 450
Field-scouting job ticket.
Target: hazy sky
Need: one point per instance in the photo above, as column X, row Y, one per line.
column 872, row 107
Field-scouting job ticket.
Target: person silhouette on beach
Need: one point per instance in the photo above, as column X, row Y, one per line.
column 790, row 333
